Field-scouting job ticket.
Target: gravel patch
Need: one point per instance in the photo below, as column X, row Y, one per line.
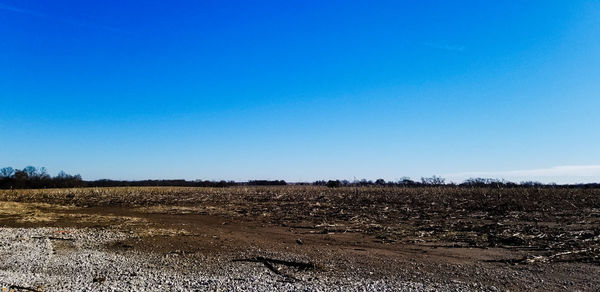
column 53, row 259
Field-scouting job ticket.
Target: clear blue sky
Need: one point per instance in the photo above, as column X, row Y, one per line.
column 301, row 90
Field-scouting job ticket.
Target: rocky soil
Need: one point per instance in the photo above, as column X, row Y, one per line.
column 300, row 239
column 54, row 259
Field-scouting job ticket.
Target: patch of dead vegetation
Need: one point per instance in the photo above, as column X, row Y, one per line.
column 31, row 212
column 50, row 214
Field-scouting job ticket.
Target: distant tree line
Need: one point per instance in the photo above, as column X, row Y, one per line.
column 181, row 183
column 439, row 181
column 31, row 177
column 158, row 183
column 266, row 183
column 403, row 182
column 35, row 178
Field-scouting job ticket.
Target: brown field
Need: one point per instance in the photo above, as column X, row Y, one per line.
column 512, row 239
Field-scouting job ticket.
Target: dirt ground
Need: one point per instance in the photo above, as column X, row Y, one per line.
column 487, row 239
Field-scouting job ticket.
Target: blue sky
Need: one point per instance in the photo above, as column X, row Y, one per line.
column 302, row 90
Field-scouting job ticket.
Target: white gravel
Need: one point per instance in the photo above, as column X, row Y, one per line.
column 37, row 258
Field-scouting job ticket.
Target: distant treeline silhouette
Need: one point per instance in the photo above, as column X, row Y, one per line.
column 33, row 178
column 36, row 178
column 441, row 182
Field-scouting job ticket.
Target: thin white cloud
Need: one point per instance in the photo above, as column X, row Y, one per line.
column 50, row 17
column 558, row 174
column 23, row 11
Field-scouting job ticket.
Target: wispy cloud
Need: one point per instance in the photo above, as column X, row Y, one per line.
column 558, row 174
column 19, row 10
column 58, row 19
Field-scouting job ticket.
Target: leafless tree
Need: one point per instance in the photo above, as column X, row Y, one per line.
column 31, row 171
column 7, row 172
column 434, row 180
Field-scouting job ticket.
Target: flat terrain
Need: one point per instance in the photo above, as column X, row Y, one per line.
column 300, row 238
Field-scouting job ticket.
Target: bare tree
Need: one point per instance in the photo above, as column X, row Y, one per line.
column 434, row 180
column 31, row 171
column 62, row 174
column 7, row 172
column 43, row 173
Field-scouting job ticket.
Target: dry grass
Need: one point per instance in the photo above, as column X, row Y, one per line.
column 29, row 212
column 35, row 214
